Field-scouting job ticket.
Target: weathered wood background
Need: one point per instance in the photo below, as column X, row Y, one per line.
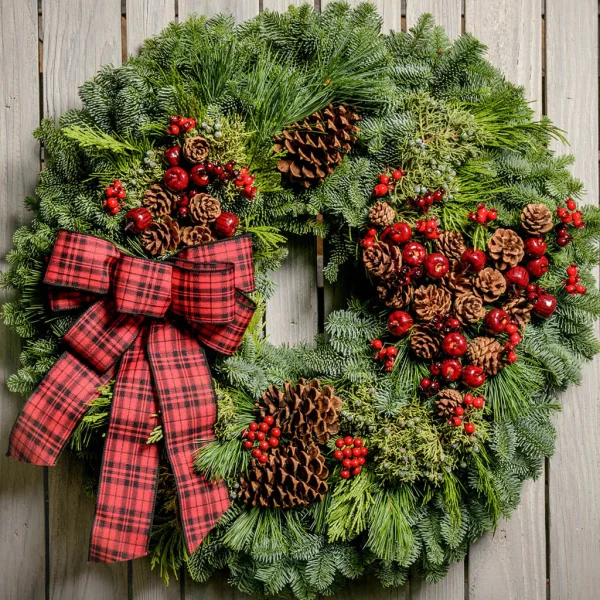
column 550, row 549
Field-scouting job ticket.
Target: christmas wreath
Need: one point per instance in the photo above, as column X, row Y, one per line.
column 407, row 430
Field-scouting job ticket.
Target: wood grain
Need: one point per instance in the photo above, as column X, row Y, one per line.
column 22, row 527
column 78, row 39
column 573, row 482
column 446, row 13
column 240, row 9
column 146, row 18
column 512, row 563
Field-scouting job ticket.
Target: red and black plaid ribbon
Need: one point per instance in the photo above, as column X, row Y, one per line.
column 146, row 327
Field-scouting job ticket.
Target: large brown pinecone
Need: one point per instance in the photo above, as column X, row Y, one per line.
column 383, row 260
column 304, row 411
column 382, row 214
column 424, row 343
column 159, row 201
column 204, row 208
column 468, row 308
column 294, row 476
column 519, row 310
column 195, row 236
column 446, row 401
column 394, row 295
column 457, row 280
column 486, row 352
column 196, row 149
column 430, row 301
column 316, row 145
column 506, row 249
column 489, row 284
column 161, row 237
column 536, row 219
column 451, row 244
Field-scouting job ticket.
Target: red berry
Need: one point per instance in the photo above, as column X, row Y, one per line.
column 276, row 432
column 571, row 204
column 347, row 452
column 269, row 420
column 173, row 129
column 182, row 212
column 345, row 474
column 263, row 445
column 469, row 428
column 380, row 190
column 425, row 383
column 348, row 440
column 511, row 328
column 356, row 471
column 226, row 224
column 176, row 179
column 438, row 195
column 572, row 270
column 496, row 321
column 356, row 451
column 371, row 232
column 175, row 119
column 451, row 369
column 414, row 254
column 264, row 427
column 273, row 442
column 339, row 443
column 383, row 179
column 571, row 288
column 376, row 344
column 248, row 444
column 436, row 265
column 535, row 246
column 515, row 338
column 545, row 306
column 459, row 411
column 253, row 426
column 456, row 421
column 138, row 219
column 263, row 458
column 399, row 323
column 361, row 461
column 114, row 211
column 475, row 259
column 110, row 191
column 256, row 453
column 473, row 376
column 511, row 357
column 454, row 344
column 400, row 233
column 367, row 242
column 172, row 155
column 398, row 174
column 251, row 435
column 468, row 399
column 563, row 241
column 561, row 212
column 364, row 451
column 111, row 202
column 518, row 276
column 391, row 351
column 260, row 435
column 478, row 402
column 580, row 289
column 338, row 455
column 492, row 214
column 347, row 463
column 538, row 266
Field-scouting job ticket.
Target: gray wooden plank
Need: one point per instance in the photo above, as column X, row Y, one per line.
column 240, row 9
column 147, row 584
column 512, row 564
column 146, row 18
column 22, row 534
column 573, row 483
column 446, row 13
column 79, row 37
column 281, row 5
column 390, row 10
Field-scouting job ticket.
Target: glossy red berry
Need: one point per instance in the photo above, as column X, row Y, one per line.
column 376, row 344
column 475, row 259
column 362, row 461
column 226, row 224
column 138, row 219
column 263, row 458
column 496, row 321
column 182, row 212
column 264, row 427
column 253, row 426
column 248, row 444
column 545, row 306
column 391, row 351
column 469, row 428
column 425, row 383
column 398, row 174
column 114, row 211
column 468, row 399
column 345, row 474
column 383, row 178
column 348, row 440
column 263, row 445
column 572, row 270
column 456, row 421
column 478, row 402
column 511, row 328
column 111, row 202
column 454, row 344
column 473, row 376
column 571, row 204
column 339, row 443
column 273, row 442
column 518, row 276
column 380, row 190
column 110, row 192
column 356, row 471
column 414, row 254
column 256, row 453
column 511, row 357
column 459, row 411
column 399, row 323
column 364, row 451
column 338, row 455
column 436, row 265
column 275, row 432
column 451, row 369
column 515, row 338
column 269, row 420
column 176, row 179
column 251, row 435
column 580, row 289
column 260, row 435
column 347, row 452
column 347, row 463
column 173, row 130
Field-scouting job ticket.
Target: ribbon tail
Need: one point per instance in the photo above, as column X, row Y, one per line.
column 129, row 474
column 184, row 386
column 54, row 409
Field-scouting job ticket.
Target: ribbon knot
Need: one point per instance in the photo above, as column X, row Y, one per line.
column 145, row 327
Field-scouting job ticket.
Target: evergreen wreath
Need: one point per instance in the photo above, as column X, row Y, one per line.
column 407, row 432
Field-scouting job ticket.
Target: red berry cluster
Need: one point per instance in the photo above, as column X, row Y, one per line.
column 353, row 454
column 462, row 414
column 572, row 283
column 386, row 182
column 426, row 200
column 430, row 228
column 387, row 355
column 180, row 124
column 568, row 216
column 114, row 195
column 263, row 434
column 483, row 215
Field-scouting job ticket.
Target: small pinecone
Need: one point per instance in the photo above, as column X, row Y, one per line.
column 536, row 219
column 316, row 145
column 424, row 343
column 469, row 308
column 457, row 280
column 195, row 236
column 196, row 149
column 382, row 260
column 382, row 214
column 159, row 201
column 431, row 300
column 519, row 310
column 161, row 237
column 303, row 411
column 446, row 401
column 506, row 249
column 204, row 208
column 451, row 244
column 394, row 295
column 294, row 476
column 489, row 284
column 486, row 352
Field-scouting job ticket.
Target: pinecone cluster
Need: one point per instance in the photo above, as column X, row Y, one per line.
column 315, row 146
column 462, row 308
column 293, row 473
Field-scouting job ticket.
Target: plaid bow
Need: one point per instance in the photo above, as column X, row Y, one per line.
column 146, row 326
